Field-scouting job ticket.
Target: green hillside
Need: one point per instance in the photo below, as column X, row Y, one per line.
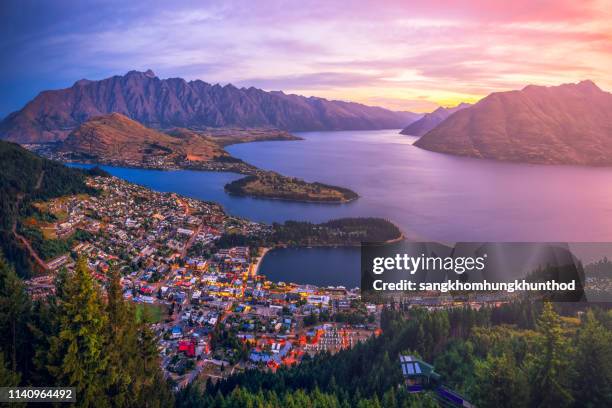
column 25, row 177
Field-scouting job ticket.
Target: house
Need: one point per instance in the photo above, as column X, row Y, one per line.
column 188, row 347
column 177, row 332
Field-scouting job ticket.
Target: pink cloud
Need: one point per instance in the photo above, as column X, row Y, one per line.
column 398, row 53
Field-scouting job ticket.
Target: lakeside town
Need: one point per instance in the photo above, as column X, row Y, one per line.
column 213, row 311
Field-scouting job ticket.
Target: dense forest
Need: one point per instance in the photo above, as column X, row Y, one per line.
column 24, row 178
column 340, row 232
column 82, row 339
column 522, row 354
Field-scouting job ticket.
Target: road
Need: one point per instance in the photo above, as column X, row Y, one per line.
column 20, row 237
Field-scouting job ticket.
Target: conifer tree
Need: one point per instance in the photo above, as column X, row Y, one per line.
column 499, row 382
column 14, row 312
column 550, row 363
column 121, row 345
column 592, row 379
column 153, row 389
column 8, row 377
column 79, row 345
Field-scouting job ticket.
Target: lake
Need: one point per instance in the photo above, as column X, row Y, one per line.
column 431, row 196
column 319, row 266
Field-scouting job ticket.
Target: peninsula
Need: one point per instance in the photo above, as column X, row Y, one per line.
column 115, row 139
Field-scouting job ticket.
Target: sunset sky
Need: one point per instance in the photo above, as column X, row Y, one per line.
column 404, row 55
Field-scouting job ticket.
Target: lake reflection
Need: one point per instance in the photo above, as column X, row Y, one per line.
column 430, row 196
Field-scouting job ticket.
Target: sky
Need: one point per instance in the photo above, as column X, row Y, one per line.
column 403, row 55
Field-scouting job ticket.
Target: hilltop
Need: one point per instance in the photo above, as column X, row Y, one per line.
column 565, row 124
column 115, row 137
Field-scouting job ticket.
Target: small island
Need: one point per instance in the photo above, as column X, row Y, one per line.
column 267, row 184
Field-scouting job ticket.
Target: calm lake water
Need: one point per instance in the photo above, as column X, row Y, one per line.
column 319, row 266
column 430, row 196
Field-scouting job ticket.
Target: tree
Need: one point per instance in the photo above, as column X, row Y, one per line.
column 456, row 362
column 153, row 390
column 8, row 377
column 550, row 362
column 592, row 379
column 14, row 311
column 79, row 345
column 121, row 346
column 499, row 382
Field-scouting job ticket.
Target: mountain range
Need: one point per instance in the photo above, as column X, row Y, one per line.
column 565, row 124
column 431, row 120
column 175, row 102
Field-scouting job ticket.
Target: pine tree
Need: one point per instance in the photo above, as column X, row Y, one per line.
column 121, row 345
column 14, row 313
column 549, row 366
column 44, row 325
column 79, row 345
column 8, row 377
column 499, row 383
column 153, row 390
column 592, row 379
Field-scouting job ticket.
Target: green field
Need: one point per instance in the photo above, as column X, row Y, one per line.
column 154, row 313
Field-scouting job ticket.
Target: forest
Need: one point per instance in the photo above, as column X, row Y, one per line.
column 343, row 231
column 339, row 232
column 523, row 354
column 520, row 354
column 24, row 178
column 80, row 338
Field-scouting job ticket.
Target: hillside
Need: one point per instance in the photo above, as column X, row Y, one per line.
column 175, row 102
column 566, row 124
column 473, row 352
column 25, row 177
column 115, row 137
column 431, row 120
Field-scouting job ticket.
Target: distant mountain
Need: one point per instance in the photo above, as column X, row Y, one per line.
column 174, row 102
column 115, row 137
column 566, row 124
column 431, row 120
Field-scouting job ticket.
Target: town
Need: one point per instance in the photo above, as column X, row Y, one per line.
column 213, row 312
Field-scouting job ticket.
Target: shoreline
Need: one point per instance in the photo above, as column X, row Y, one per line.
column 264, row 251
column 291, row 200
column 72, row 163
